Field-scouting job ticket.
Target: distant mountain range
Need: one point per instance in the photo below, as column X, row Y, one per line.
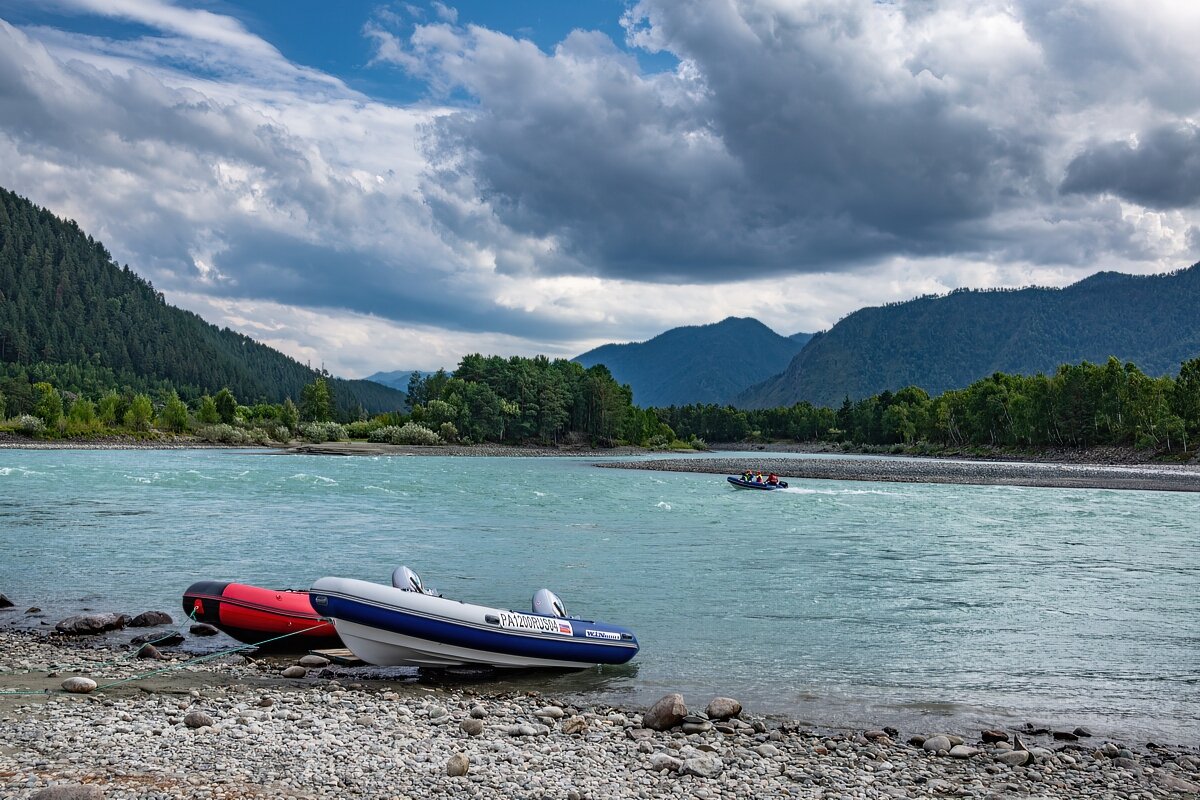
column 64, row 301
column 697, row 363
column 397, row 378
column 947, row 342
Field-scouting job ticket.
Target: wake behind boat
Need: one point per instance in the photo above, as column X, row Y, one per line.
column 405, row 624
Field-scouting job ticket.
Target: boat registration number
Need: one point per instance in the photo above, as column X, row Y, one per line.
column 529, row 622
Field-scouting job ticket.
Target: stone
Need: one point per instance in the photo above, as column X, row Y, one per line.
column 577, row 725
column 702, row 766
column 696, row 727
column 33, row 610
column 1110, row 749
column 767, row 750
column 1127, row 763
column 722, row 708
column 69, row 792
column 936, row 743
column 1017, row 743
column 266, row 702
column 158, row 639
column 91, row 624
column 148, row 619
column 916, row 740
column 203, row 629
column 993, row 736
column 294, row 672
column 5, row 602
column 663, row 762
column 549, row 712
column 478, row 712
column 875, row 734
column 963, row 751
column 198, row 719
column 457, row 765
column 313, row 660
column 666, row 713
column 149, row 651
column 79, row 685
column 1173, row 783
column 471, row 726
column 639, row 734
column 1014, row 758
column 1065, row 736
column 1082, row 732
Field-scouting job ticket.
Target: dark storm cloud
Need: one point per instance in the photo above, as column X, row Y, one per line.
column 782, row 146
column 1161, row 170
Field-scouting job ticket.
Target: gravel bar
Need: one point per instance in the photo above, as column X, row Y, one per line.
column 924, row 470
column 239, row 729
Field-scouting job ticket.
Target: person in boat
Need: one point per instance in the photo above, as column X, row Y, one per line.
column 773, row 479
column 747, row 476
column 758, row 478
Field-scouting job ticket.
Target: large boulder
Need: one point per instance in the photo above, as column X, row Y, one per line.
column 666, row 713
column 723, row 708
column 702, row 766
column 148, row 619
column 5, row 602
column 91, row 624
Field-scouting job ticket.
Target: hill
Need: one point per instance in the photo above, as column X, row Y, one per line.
column 949, row 341
column 697, row 363
column 397, row 378
column 65, row 302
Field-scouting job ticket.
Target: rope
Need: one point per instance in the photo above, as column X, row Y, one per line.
column 188, row 663
column 209, row 657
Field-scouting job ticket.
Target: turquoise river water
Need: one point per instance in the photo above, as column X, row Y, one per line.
column 840, row 603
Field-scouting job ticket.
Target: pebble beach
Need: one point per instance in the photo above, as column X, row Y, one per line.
column 242, row 726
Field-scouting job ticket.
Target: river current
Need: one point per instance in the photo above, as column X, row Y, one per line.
column 841, row 603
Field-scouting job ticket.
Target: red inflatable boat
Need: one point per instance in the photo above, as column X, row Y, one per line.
column 254, row 615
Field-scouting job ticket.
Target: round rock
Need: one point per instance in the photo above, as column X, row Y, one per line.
column 294, row 672
column 720, row 708
column 198, row 719
column 203, row 629
column 457, row 765
column 935, row 743
column 312, row 660
column 471, row 726
column 79, row 685
column 148, row 619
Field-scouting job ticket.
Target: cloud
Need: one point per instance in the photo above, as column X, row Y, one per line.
column 794, row 162
column 796, row 137
column 1159, row 169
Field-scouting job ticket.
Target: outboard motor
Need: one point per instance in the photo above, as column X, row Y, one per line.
column 547, row 602
column 404, row 578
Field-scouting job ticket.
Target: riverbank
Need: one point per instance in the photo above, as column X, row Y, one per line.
column 235, row 727
column 1163, row 478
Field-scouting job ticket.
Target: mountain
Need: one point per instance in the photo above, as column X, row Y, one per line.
column 397, row 378
column 697, row 363
column 947, row 342
column 64, row 301
column 801, row 339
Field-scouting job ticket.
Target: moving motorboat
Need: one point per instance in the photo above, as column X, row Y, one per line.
column 407, row 624
column 255, row 615
column 742, row 483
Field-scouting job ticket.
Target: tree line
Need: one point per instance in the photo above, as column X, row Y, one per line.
column 1080, row 405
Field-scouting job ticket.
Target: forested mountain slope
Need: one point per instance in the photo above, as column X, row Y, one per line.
column 697, row 363
column 65, row 302
column 947, row 342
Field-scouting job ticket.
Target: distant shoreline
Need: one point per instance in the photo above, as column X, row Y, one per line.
column 1158, row 478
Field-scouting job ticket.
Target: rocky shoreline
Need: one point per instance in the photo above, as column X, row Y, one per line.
column 241, row 726
column 1172, row 478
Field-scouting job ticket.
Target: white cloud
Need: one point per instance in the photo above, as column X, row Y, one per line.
column 801, row 160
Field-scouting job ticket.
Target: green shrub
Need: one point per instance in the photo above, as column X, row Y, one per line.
column 223, row 434
column 282, row 434
column 447, row 432
column 30, row 425
column 317, row 432
column 409, row 433
column 362, row 429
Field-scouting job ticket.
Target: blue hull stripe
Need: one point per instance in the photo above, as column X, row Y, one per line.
column 496, row 640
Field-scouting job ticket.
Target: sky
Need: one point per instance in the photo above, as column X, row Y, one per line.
column 391, row 185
